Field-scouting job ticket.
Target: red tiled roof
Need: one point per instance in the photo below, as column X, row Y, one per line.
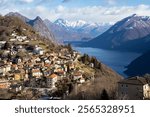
column 52, row 76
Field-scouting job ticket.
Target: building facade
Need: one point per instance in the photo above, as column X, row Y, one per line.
column 135, row 88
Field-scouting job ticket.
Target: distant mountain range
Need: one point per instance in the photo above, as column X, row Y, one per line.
column 129, row 34
column 78, row 30
column 139, row 66
column 63, row 30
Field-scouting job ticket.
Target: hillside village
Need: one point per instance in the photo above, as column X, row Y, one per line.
column 24, row 66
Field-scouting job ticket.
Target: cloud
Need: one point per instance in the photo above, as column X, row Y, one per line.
column 3, row 3
column 101, row 14
column 111, row 2
column 98, row 13
column 90, row 13
column 64, row 1
column 27, row 1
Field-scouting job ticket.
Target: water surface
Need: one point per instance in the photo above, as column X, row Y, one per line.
column 114, row 59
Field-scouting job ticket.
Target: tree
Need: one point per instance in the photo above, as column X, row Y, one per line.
column 6, row 46
column 69, row 47
column 104, row 95
column 85, row 58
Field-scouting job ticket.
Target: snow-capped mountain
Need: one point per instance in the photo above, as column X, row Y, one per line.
column 67, row 24
column 79, row 24
column 131, row 33
column 65, row 30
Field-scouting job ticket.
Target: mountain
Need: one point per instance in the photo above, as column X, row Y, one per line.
column 139, row 66
column 131, row 30
column 77, row 30
column 9, row 24
column 16, row 14
column 73, row 25
column 62, row 34
column 37, row 23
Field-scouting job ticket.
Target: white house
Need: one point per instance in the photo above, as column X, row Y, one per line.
column 146, row 91
column 36, row 73
column 38, row 50
column 77, row 76
column 13, row 39
column 82, row 80
column 4, row 69
column 2, row 43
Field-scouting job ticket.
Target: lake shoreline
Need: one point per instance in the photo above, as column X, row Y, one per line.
column 116, row 60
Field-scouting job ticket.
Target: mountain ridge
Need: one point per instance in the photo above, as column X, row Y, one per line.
column 122, row 33
column 37, row 23
column 76, row 30
column 139, row 66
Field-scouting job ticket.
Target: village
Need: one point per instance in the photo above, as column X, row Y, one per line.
column 39, row 69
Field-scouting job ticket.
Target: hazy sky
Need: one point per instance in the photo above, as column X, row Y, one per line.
column 88, row 10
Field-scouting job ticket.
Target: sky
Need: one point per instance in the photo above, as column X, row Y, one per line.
column 99, row 11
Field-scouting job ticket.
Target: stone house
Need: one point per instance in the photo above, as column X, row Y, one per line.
column 135, row 88
column 51, row 80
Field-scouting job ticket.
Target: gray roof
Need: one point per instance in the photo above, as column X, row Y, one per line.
column 135, row 81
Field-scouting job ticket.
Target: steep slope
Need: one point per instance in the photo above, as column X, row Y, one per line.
column 37, row 23
column 105, row 78
column 131, row 29
column 63, row 34
column 76, row 30
column 9, row 24
column 139, row 66
column 16, row 14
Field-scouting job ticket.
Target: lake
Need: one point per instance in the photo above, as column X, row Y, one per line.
column 114, row 59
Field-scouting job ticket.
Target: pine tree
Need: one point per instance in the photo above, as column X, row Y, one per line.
column 104, row 95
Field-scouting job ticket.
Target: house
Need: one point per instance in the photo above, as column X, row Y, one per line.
column 26, row 41
column 17, row 75
column 51, row 80
column 14, row 66
column 146, row 91
column 61, row 73
column 82, row 80
column 71, row 66
column 2, row 43
column 14, row 34
column 21, row 38
column 38, row 50
column 15, row 87
column 13, row 39
column 77, row 75
column 4, row 84
column 91, row 65
column 4, row 69
column 135, row 88
column 36, row 73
